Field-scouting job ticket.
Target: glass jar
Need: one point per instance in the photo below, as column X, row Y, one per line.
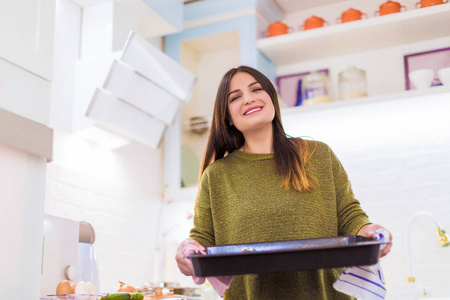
column 315, row 88
column 352, row 84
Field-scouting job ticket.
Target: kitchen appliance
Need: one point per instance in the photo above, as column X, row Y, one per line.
column 277, row 28
column 390, row 7
column 350, row 15
column 426, row 3
column 314, row 22
column 87, row 258
column 352, row 83
column 285, row 256
column 315, row 88
column 60, row 252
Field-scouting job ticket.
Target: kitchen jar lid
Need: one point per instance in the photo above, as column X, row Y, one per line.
column 352, row 73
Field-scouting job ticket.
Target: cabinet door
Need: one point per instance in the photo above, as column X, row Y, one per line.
column 26, row 34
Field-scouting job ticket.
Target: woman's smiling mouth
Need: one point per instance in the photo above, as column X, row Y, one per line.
column 252, row 110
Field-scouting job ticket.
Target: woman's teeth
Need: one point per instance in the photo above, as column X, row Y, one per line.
column 252, row 111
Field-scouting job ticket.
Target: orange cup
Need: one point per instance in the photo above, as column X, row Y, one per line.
column 351, row 15
column 277, row 28
column 314, row 22
column 390, row 7
column 426, row 3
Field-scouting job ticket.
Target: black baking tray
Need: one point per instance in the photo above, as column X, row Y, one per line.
column 282, row 256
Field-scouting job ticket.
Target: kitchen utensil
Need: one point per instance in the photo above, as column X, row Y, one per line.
column 390, row 7
column 313, row 22
column 87, row 270
column 282, row 256
column 315, row 88
column 421, row 78
column 426, row 3
column 351, row 15
column 352, row 83
column 444, row 76
column 277, row 28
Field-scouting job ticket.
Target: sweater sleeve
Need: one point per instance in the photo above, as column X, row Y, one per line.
column 350, row 215
column 203, row 230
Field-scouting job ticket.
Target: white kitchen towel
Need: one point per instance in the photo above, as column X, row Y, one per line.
column 219, row 283
column 364, row 282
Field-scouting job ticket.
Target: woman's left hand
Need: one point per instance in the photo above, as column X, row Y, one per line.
column 369, row 231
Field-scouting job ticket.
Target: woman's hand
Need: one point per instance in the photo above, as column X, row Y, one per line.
column 368, row 230
column 184, row 264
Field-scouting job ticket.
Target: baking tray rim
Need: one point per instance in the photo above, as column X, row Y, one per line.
column 313, row 248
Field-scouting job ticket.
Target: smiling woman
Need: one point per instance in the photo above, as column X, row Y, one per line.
column 259, row 185
column 249, row 105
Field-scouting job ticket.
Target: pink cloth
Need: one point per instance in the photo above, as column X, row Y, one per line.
column 219, row 283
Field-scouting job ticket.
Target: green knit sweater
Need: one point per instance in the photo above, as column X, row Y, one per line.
column 240, row 200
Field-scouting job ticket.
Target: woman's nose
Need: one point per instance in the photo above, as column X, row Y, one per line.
column 248, row 98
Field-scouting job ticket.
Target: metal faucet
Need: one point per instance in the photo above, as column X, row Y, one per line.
column 442, row 235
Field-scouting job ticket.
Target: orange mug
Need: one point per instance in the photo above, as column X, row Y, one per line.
column 390, row 7
column 426, row 3
column 351, row 15
column 314, row 22
column 277, row 28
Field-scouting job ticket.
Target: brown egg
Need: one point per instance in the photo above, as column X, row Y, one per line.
column 64, row 287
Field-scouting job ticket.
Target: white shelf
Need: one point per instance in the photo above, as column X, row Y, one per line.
column 375, row 32
column 365, row 100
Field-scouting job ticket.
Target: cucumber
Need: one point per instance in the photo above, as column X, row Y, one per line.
column 117, row 296
column 137, row 296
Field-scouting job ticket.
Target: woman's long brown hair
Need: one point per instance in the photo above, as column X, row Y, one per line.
column 291, row 155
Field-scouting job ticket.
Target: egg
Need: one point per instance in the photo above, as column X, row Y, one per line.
column 64, row 287
column 82, row 289
column 92, row 290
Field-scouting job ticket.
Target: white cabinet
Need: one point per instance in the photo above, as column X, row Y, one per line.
column 23, row 93
column 26, row 34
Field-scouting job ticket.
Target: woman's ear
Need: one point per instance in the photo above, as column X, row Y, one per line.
column 230, row 122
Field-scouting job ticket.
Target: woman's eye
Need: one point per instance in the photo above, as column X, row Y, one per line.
column 234, row 98
column 257, row 89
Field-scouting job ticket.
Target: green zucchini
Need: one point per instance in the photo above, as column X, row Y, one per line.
column 137, row 296
column 117, row 296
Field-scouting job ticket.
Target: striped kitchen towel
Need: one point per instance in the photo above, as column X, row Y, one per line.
column 364, row 282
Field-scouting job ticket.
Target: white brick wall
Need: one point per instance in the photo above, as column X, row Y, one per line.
column 121, row 202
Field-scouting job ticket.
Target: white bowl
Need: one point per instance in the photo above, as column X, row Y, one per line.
column 421, row 78
column 444, row 75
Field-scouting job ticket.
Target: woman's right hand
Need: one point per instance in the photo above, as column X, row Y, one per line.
column 184, row 264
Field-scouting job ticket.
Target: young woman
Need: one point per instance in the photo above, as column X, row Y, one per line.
column 258, row 185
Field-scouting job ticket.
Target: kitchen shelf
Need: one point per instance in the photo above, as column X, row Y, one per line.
column 375, row 32
column 365, row 100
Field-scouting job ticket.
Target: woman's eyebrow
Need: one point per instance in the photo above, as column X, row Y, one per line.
column 232, row 92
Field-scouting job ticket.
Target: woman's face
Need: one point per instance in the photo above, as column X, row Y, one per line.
column 250, row 106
